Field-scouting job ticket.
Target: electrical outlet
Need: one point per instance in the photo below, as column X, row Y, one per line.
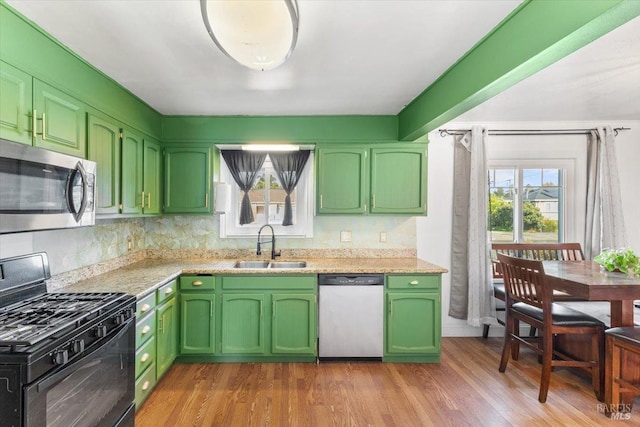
column 383, row 237
column 129, row 243
column 345, row 236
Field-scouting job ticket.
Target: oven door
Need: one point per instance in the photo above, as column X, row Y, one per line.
column 96, row 390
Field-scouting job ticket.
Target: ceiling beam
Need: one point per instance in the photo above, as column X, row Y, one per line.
column 535, row 35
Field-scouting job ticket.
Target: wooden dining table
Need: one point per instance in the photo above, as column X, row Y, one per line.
column 589, row 281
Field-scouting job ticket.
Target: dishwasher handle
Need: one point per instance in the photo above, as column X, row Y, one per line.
column 351, row 279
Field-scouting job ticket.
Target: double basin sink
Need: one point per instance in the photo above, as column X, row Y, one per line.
column 269, row 264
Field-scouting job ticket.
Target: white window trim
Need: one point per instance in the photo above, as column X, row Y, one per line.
column 303, row 227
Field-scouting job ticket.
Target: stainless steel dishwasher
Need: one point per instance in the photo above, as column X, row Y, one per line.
column 350, row 323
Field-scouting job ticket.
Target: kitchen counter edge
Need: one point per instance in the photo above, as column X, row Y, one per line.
column 143, row 277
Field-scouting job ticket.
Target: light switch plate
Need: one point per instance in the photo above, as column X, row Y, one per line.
column 383, row 236
column 345, row 236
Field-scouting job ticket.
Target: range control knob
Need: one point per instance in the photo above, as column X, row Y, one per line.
column 119, row 319
column 101, row 331
column 60, row 357
column 129, row 313
column 77, row 346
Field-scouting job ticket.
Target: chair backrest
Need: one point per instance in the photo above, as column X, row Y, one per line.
column 524, row 281
column 536, row 251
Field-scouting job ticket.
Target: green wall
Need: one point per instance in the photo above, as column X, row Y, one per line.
column 281, row 128
column 26, row 46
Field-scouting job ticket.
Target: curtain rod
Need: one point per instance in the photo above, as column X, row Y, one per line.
column 445, row 132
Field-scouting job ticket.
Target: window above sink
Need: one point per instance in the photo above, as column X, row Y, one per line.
column 267, row 202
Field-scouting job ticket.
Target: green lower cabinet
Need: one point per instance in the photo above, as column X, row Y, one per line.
column 144, row 385
column 197, row 323
column 243, row 323
column 413, row 322
column 166, row 335
column 293, row 324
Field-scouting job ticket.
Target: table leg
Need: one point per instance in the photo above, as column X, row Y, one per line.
column 621, row 313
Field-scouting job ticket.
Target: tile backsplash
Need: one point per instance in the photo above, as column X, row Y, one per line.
column 74, row 248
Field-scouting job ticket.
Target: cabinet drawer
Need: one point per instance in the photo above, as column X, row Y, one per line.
column 145, row 305
column 268, row 282
column 145, row 356
column 145, row 384
column 431, row 281
column 167, row 291
column 197, row 282
column 145, row 329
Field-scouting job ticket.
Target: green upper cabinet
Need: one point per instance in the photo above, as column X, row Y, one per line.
column 152, row 166
column 342, row 180
column 293, row 324
column 187, row 179
column 389, row 179
column 132, row 152
column 61, row 120
column 15, row 104
column 399, row 180
column 103, row 146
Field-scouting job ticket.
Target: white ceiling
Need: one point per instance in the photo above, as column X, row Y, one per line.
column 352, row 57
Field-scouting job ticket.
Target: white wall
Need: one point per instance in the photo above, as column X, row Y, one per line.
column 434, row 230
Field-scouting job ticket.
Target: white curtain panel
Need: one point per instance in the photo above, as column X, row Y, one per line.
column 471, row 288
column 605, row 221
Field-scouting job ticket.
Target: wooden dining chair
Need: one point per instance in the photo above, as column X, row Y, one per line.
column 529, row 299
column 622, row 371
column 537, row 251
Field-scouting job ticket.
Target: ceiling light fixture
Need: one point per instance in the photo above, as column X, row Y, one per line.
column 259, row 34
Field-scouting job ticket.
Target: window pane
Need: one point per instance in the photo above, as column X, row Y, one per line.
column 541, row 207
column 531, row 177
column 501, row 199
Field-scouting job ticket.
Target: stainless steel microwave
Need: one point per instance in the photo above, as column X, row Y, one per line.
column 41, row 189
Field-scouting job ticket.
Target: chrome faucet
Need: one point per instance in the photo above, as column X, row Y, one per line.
column 274, row 254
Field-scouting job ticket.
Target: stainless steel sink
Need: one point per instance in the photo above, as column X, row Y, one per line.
column 272, row 264
column 251, row 264
column 288, row 264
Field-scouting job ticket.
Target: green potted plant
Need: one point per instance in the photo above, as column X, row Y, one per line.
column 622, row 260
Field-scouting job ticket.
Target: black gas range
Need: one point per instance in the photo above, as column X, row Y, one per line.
column 67, row 359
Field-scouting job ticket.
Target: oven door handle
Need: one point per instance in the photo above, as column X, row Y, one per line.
column 84, row 360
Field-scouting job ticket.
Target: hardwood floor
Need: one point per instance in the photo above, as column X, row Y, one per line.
column 464, row 389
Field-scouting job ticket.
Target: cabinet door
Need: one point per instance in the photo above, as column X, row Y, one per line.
column 104, row 149
column 413, row 323
column 61, row 120
column 187, row 180
column 166, row 336
column 243, row 323
column 293, row 327
column 15, row 104
column 152, row 164
column 132, row 152
column 399, row 180
column 342, row 180
column 197, row 323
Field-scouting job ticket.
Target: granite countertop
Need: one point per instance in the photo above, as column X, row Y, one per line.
column 143, row 277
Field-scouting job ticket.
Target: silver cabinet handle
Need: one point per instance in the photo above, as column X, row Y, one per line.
column 145, row 386
column 413, row 282
column 168, row 291
column 144, row 357
column 206, row 200
column 321, row 201
column 146, row 330
column 142, row 199
column 144, row 308
column 148, row 200
column 196, row 283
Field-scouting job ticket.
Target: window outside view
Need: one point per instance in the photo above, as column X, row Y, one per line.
column 525, row 205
